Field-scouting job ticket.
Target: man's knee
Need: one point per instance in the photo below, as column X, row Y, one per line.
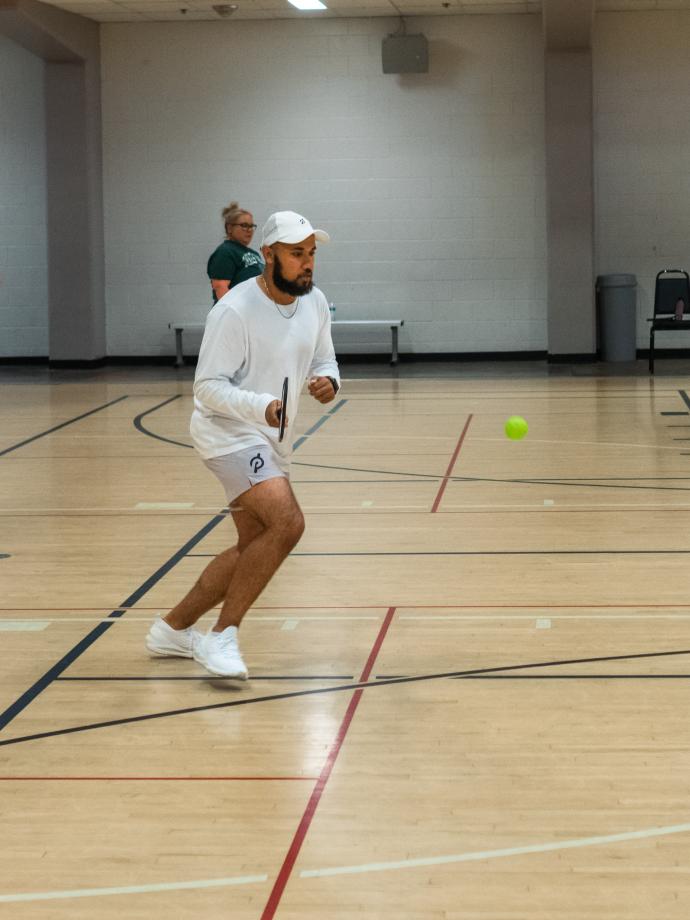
column 274, row 506
column 290, row 527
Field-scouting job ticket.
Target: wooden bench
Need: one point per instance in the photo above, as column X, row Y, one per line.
column 392, row 324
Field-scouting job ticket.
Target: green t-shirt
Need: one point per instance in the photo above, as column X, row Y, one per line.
column 234, row 262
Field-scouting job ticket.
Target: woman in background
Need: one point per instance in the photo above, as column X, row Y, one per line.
column 233, row 261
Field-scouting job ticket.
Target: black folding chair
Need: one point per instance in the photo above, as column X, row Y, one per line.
column 671, row 303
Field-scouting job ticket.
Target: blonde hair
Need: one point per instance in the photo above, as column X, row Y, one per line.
column 231, row 213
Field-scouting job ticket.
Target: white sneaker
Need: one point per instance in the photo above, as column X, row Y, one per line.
column 171, row 643
column 220, row 654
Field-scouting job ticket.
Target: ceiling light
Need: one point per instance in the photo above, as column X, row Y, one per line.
column 308, row 4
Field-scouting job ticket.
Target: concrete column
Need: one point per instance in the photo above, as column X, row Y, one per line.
column 569, row 178
column 570, row 204
column 70, row 47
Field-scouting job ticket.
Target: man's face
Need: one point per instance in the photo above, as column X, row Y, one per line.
column 293, row 266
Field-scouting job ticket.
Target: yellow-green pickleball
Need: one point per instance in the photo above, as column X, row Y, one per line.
column 516, row 427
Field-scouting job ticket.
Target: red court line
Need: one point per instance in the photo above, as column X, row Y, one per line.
column 314, row 799
column 449, row 471
column 251, row 779
column 399, row 606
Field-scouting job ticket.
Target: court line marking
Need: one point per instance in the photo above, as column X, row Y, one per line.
column 70, row 421
column 136, row 421
column 140, row 427
column 401, row 606
column 508, row 552
column 498, row 854
column 601, row 482
column 557, row 616
column 76, row 651
column 310, row 810
column 87, row 641
column 28, row 624
column 294, row 694
column 163, row 506
column 137, row 779
column 449, row 470
column 24, row 625
column 315, row 427
column 205, row 677
column 430, row 618
column 133, row 889
column 533, row 507
column 390, row 677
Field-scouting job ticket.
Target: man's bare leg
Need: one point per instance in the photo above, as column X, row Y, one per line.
column 209, row 591
column 269, row 525
column 212, row 585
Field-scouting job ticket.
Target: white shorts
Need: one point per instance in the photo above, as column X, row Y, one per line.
column 243, row 469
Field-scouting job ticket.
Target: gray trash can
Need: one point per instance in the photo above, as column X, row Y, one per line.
column 617, row 317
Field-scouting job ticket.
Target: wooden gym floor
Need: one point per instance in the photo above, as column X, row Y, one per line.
column 469, row 683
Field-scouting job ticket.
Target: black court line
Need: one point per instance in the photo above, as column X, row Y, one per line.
column 576, row 677
column 206, row 677
column 111, row 723
column 600, row 482
column 686, row 399
column 140, row 427
column 74, row 653
column 315, row 427
column 298, row 443
column 675, row 413
column 489, row 552
column 71, row 421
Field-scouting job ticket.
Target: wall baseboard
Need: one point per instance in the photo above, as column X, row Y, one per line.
column 349, row 358
column 583, row 358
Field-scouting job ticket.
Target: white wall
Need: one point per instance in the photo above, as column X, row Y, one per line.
column 432, row 186
column 642, row 151
column 23, row 244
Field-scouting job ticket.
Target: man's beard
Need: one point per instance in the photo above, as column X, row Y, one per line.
column 293, row 288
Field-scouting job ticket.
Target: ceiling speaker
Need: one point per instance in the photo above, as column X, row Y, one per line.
column 405, row 54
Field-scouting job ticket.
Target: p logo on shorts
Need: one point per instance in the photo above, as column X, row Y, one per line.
column 256, row 463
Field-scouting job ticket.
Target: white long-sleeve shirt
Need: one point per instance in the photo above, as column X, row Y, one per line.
column 248, row 348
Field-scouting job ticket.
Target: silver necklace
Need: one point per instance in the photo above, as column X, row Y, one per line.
column 284, row 315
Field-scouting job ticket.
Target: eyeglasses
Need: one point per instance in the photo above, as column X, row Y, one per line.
column 245, row 226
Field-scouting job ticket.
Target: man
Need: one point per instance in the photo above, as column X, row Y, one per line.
column 261, row 331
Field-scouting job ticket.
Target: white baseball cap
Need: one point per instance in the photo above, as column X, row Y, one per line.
column 288, row 227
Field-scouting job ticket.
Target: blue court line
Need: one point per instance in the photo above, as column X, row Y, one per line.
column 53, row 673
column 77, row 418
column 317, row 425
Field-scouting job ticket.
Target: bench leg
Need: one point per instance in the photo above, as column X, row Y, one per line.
column 394, row 345
column 179, row 357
